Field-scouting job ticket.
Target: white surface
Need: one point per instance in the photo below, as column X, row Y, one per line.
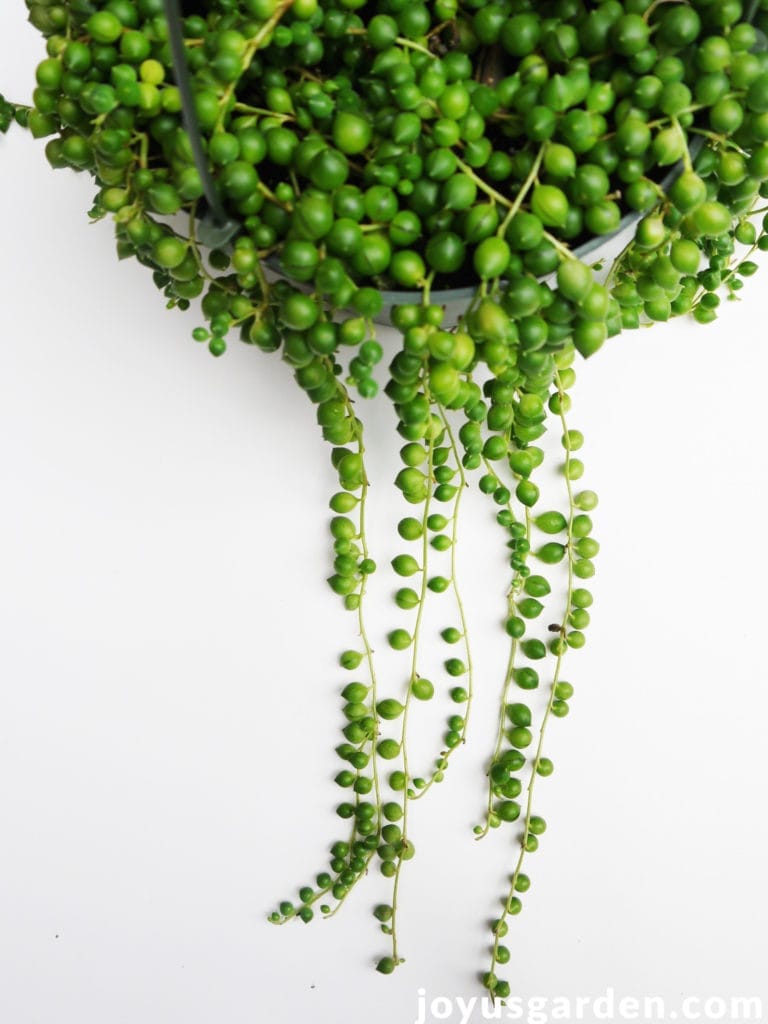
column 168, row 704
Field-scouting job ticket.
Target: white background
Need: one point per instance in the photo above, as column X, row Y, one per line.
column 168, row 704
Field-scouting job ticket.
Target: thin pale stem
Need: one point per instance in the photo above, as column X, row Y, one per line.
column 534, row 767
column 408, row 697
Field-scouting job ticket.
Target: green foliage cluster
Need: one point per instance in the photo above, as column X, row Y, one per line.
column 362, row 148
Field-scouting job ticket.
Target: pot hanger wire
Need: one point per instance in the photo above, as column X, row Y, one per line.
column 216, row 228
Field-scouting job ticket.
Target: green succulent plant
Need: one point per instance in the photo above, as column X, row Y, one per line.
column 339, row 163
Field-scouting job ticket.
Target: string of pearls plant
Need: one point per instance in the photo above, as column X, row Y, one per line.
column 359, row 147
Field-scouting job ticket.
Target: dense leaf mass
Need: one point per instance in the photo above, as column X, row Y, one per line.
column 359, row 148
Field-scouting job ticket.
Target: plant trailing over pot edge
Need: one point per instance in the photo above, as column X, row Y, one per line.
column 361, row 148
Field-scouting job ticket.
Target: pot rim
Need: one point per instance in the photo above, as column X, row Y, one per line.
column 596, row 242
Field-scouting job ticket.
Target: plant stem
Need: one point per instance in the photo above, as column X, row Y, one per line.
column 552, row 696
column 411, row 680
column 524, row 190
column 445, row 755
